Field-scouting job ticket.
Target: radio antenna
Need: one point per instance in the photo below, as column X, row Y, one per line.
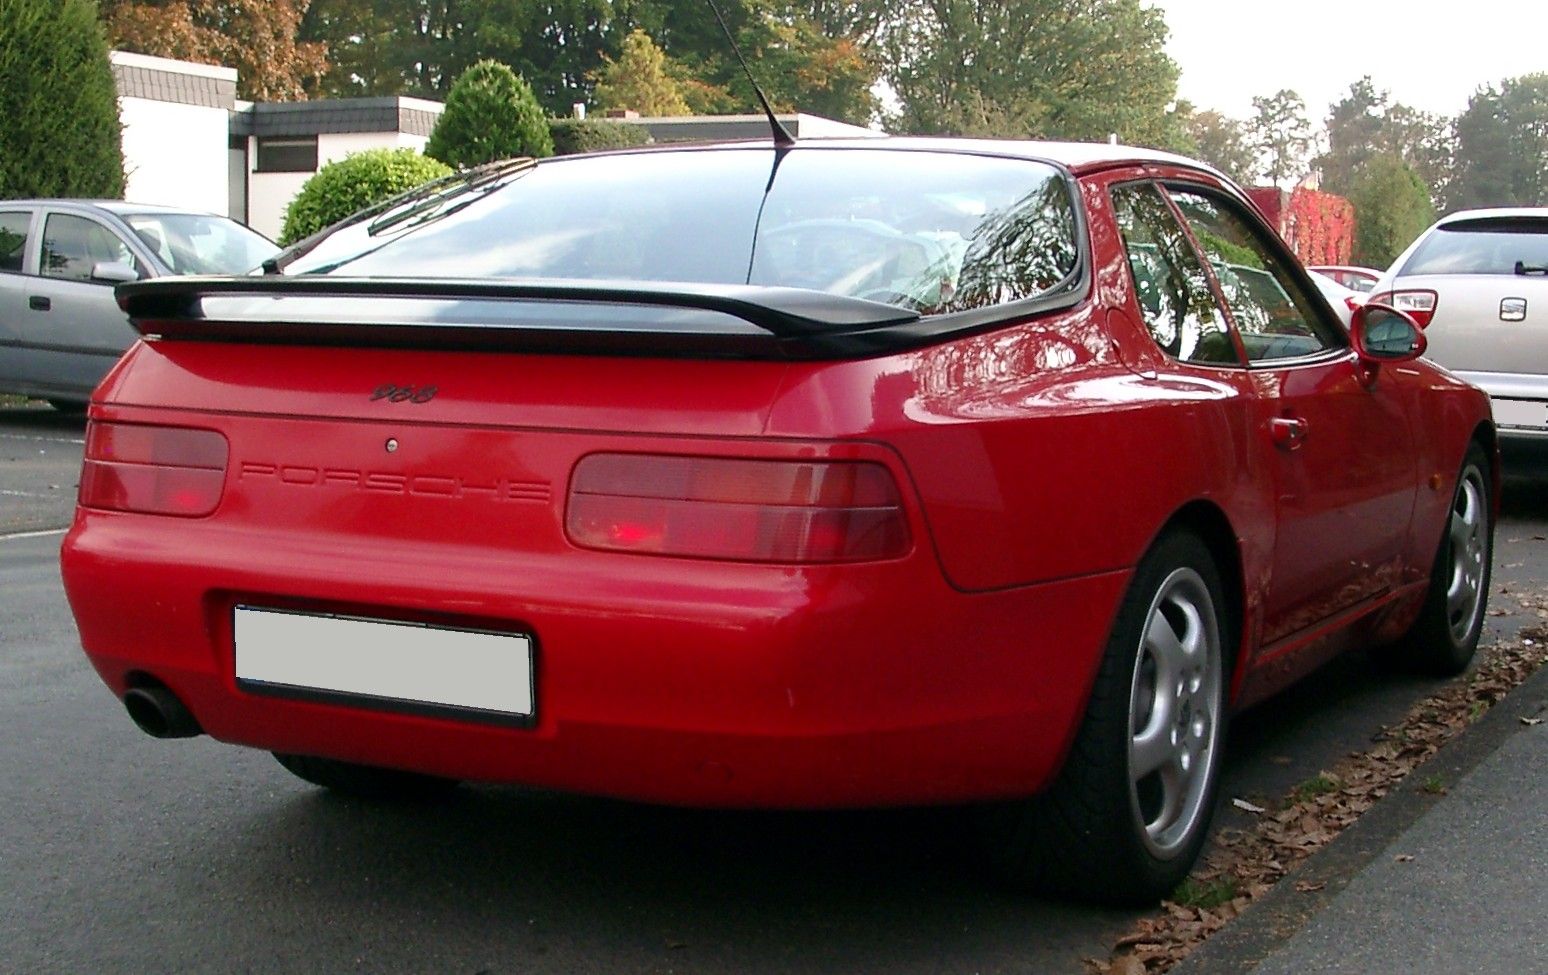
column 782, row 137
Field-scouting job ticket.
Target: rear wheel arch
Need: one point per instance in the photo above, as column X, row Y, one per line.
column 1210, row 524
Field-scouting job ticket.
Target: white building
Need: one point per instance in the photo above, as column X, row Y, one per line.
column 188, row 142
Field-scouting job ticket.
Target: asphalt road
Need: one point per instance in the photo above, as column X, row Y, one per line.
column 119, row 853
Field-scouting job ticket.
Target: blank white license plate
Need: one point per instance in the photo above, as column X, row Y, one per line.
column 1520, row 413
column 390, row 665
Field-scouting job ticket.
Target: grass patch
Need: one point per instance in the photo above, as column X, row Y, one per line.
column 10, row 399
column 1206, row 894
column 1434, row 785
column 1318, row 785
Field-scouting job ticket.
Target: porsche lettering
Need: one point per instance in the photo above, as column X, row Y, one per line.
column 387, row 482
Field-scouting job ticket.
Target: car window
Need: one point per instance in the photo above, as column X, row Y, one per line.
column 73, row 245
column 1494, row 245
column 1169, row 280
column 196, row 243
column 13, row 240
column 931, row 231
column 1276, row 318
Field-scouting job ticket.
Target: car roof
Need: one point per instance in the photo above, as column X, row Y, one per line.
column 1076, row 156
column 1491, row 213
column 116, row 207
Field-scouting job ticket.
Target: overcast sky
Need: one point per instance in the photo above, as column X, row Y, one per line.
column 1430, row 55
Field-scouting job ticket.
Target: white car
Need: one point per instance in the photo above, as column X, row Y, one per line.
column 1344, row 300
column 1478, row 282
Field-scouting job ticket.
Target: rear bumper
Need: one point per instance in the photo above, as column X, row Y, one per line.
column 657, row 679
column 1520, row 403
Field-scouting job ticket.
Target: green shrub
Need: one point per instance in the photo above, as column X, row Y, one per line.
column 572, row 135
column 351, row 184
column 61, row 135
column 491, row 113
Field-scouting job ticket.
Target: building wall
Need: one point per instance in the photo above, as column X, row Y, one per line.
column 268, row 194
column 175, row 118
column 175, row 154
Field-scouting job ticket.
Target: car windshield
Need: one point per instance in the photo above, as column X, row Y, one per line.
column 1489, row 246
column 929, row 231
column 196, row 243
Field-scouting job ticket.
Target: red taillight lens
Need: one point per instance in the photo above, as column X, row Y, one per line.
column 153, row 470
column 746, row 510
column 1418, row 303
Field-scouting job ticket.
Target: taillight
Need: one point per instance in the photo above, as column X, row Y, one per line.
column 153, row 470
column 1418, row 303
column 745, row 510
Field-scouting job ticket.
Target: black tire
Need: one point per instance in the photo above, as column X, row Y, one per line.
column 1097, row 833
column 365, row 781
column 69, row 407
column 1444, row 638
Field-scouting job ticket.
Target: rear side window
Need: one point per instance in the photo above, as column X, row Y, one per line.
column 1505, row 245
column 73, row 245
column 13, row 240
column 1169, row 281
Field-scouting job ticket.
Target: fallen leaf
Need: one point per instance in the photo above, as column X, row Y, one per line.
column 1128, row 965
column 1306, row 886
column 1531, row 722
column 1404, row 857
column 1243, row 804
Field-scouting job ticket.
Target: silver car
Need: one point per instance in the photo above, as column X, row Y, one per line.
column 60, row 328
column 1478, row 282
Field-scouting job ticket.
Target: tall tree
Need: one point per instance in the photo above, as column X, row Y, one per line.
column 257, row 37
column 1392, row 207
column 641, row 79
column 1221, row 141
column 1502, row 146
column 1366, row 123
column 61, row 134
column 1280, row 135
column 1078, row 69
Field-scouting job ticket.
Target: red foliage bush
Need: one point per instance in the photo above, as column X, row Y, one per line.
column 1319, row 227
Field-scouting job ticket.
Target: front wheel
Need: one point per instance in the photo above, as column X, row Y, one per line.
column 1445, row 636
column 1128, row 814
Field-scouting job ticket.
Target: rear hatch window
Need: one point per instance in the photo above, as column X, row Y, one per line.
column 1494, row 245
column 933, row 232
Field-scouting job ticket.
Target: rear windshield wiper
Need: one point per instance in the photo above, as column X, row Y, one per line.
column 1523, row 267
column 432, row 194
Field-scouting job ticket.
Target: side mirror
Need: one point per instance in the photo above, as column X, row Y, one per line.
column 1381, row 333
column 114, row 272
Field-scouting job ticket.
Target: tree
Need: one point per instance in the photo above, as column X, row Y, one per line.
column 257, row 37
column 1280, row 135
column 1076, row 69
column 1392, row 207
column 490, row 114
column 1221, row 141
column 349, row 185
column 61, row 135
column 641, row 80
column 1366, row 123
column 1502, row 146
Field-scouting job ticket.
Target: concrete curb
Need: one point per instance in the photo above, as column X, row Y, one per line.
column 1268, row 924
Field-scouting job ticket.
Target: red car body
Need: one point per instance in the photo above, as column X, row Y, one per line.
column 1036, row 462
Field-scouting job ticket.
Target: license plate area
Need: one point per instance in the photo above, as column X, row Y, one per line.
column 1530, row 414
column 385, row 665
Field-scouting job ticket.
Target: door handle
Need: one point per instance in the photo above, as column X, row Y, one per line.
column 1288, row 432
column 40, row 303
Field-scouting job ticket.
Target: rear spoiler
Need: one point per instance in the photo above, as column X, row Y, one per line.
column 662, row 319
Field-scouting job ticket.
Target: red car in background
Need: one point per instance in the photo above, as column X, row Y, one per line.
column 843, row 474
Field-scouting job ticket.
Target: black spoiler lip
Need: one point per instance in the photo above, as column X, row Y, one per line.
column 744, row 321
